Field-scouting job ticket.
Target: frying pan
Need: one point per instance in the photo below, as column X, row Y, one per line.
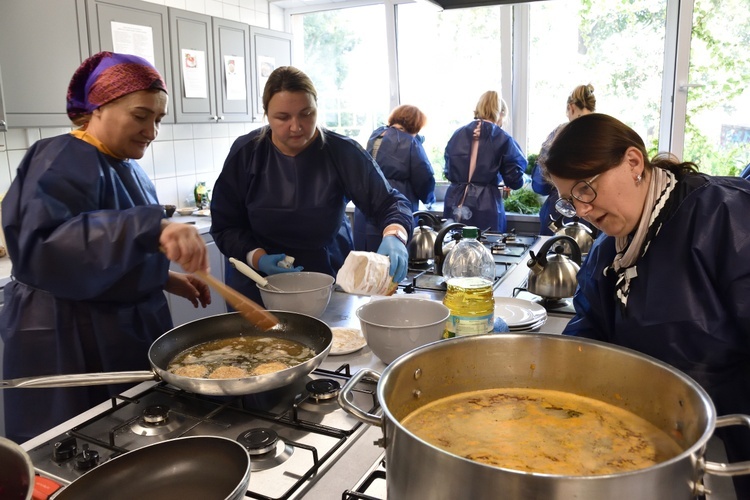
column 301, row 328
column 204, row 467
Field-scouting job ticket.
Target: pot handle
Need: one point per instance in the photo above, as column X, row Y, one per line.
column 735, row 469
column 349, row 407
column 79, row 379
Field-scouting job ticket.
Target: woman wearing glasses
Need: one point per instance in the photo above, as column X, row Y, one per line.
column 581, row 102
column 672, row 276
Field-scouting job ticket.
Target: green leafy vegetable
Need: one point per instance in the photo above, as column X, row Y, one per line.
column 523, row 201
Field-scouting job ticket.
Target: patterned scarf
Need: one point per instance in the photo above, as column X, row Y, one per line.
column 630, row 249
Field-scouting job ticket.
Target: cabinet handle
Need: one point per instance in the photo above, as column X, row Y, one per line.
column 3, row 126
column 219, row 118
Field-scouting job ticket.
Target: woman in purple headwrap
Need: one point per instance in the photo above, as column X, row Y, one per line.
column 90, row 247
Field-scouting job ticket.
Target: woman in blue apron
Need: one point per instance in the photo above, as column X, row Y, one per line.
column 90, row 245
column 479, row 157
column 670, row 277
column 284, row 188
column 398, row 151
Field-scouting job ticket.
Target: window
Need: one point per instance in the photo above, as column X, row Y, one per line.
column 446, row 60
column 618, row 47
column 344, row 53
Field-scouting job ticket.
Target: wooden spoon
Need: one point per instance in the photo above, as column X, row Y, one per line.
column 249, row 310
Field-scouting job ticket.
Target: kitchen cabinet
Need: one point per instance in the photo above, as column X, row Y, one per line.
column 182, row 309
column 269, row 50
column 141, row 25
column 201, row 49
column 35, row 75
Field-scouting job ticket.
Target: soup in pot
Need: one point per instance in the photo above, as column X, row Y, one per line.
column 542, row 431
column 238, row 357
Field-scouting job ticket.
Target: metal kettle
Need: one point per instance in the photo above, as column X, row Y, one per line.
column 553, row 275
column 442, row 249
column 422, row 244
column 581, row 233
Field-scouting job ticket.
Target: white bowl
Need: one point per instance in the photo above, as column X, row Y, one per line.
column 395, row 325
column 303, row 292
column 186, row 210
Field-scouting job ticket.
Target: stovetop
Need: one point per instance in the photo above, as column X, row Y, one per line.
column 309, row 428
column 507, row 249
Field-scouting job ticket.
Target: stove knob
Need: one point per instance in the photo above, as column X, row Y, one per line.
column 87, row 459
column 64, row 450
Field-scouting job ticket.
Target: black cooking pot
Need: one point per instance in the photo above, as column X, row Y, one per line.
column 200, row 467
column 16, row 471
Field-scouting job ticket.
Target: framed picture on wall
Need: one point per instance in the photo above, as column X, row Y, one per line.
column 269, row 49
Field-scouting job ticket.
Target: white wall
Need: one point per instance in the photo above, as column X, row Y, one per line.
column 182, row 154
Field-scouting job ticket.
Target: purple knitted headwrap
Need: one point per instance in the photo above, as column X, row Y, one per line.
column 106, row 76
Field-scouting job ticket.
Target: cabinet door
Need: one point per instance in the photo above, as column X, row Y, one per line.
column 182, row 310
column 269, row 49
column 35, row 74
column 135, row 27
column 232, row 61
column 192, row 65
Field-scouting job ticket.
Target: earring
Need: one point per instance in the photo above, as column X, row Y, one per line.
column 638, row 180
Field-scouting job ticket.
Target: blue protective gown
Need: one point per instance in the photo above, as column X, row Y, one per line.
column 689, row 306
column 404, row 163
column 295, row 204
column 499, row 159
column 82, row 230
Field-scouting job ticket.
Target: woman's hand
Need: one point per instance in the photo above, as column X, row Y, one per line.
column 181, row 243
column 190, row 287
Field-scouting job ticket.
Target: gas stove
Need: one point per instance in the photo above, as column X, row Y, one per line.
column 293, row 434
column 507, row 249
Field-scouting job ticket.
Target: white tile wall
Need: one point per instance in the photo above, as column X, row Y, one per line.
column 183, row 154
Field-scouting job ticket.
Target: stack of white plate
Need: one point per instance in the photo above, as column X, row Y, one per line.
column 520, row 315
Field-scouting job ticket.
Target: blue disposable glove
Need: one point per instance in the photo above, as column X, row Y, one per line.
column 393, row 248
column 268, row 264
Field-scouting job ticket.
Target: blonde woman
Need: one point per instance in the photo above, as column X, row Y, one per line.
column 581, row 101
column 478, row 158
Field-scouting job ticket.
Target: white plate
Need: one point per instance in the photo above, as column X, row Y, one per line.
column 519, row 313
column 203, row 213
column 346, row 340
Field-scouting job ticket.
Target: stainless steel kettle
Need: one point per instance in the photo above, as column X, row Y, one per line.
column 581, row 233
column 422, row 244
column 553, row 275
column 442, row 248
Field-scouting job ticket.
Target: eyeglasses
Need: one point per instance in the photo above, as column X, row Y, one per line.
column 582, row 191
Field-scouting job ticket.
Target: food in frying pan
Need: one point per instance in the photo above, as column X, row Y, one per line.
column 238, row 357
column 193, row 371
column 269, row 367
column 541, row 431
column 228, row 372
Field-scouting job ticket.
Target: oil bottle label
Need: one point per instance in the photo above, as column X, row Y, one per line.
column 457, row 325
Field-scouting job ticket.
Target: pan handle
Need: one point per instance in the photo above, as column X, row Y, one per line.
column 349, row 407
column 80, row 379
column 733, row 469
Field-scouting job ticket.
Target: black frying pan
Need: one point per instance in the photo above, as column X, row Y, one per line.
column 306, row 330
column 205, row 467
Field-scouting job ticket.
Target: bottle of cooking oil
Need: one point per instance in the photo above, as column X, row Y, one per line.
column 469, row 258
column 471, row 305
column 469, row 270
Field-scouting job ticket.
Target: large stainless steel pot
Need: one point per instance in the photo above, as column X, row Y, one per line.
column 205, row 467
column 292, row 326
column 640, row 384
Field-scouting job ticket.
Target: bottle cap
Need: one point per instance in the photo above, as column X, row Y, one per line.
column 470, row 232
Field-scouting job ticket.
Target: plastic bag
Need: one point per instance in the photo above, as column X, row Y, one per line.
column 366, row 273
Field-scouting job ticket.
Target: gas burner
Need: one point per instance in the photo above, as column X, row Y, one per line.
column 323, row 389
column 265, row 448
column 498, row 247
column 552, row 304
column 157, row 420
